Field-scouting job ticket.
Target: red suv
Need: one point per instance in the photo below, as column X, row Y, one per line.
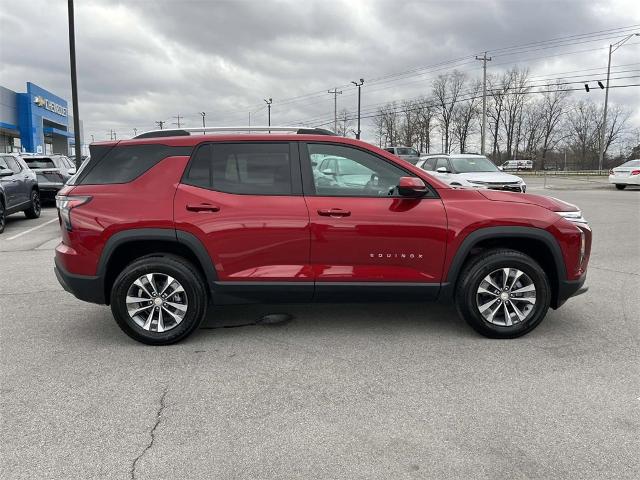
column 163, row 225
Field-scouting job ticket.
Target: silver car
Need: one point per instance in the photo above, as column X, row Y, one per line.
column 470, row 171
column 53, row 171
column 409, row 154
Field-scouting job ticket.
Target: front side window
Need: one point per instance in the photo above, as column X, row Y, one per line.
column 442, row 162
column 354, row 172
column 242, row 168
column 3, row 164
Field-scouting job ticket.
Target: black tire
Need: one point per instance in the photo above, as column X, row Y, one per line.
column 34, row 210
column 620, row 186
column 165, row 264
column 474, row 273
column 3, row 217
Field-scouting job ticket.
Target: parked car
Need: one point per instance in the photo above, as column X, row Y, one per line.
column 160, row 227
column 471, row 171
column 18, row 189
column 626, row 174
column 409, row 154
column 53, row 171
column 517, row 165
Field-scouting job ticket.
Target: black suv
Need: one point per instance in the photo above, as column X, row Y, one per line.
column 18, row 189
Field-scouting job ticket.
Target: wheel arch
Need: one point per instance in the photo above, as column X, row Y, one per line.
column 535, row 242
column 128, row 245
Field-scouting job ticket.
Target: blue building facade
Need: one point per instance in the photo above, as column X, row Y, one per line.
column 35, row 121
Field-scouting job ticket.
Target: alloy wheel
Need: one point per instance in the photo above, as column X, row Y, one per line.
column 156, row 302
column 506, row 297
column 35, row 201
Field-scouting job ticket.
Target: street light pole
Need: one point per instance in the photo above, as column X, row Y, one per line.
column 359, row 85
column 269, row 102
column 612, row 48
column 203, row 124
column 74, row 85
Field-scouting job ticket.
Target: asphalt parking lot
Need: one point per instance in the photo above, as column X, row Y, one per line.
column 341, row 391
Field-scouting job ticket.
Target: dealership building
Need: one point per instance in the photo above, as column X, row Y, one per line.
column 35, row 121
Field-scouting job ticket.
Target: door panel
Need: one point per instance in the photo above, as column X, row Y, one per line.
column 382, row 239
column 261, row 237
column 362, row 230
column 11, row 185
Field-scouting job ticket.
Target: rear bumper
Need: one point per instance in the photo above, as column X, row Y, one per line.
column 619, row 180
column 83, row 287
column 568, row 289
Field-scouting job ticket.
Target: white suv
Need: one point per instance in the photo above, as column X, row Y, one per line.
column 471, row 171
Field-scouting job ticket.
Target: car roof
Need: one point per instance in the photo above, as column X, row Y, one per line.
column 452, row 155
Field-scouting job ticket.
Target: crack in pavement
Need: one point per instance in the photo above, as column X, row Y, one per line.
column 152, row 434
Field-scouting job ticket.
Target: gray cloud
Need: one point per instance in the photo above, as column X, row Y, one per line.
column 141, row 61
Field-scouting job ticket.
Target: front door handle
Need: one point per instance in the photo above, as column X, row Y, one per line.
column 333, row 212
column 202, row 207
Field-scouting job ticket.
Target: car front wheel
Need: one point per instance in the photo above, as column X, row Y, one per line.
column 3, row 217
column 159, row 300
column 503, row 294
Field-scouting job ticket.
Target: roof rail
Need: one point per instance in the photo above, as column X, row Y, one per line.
column 179, row 132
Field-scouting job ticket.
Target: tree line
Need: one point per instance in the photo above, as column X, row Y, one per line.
column 543, row 123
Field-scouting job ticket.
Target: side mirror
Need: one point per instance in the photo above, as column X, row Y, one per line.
column 5, row 172
column 328, row 171
column 442, row 170
column 500, row 168
column 71, row 171
column 411, row 187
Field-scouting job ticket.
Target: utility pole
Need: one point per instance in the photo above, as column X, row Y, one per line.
column 359, row 85
column 74, row 85
column 483, row 131
column 160, row 123
column 269, row 102
column 177, row 117
column 92, row 139
column 335, row 107
column 612, row 48
column 203, row 124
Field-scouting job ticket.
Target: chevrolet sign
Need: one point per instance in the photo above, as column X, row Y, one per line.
column 51, row 106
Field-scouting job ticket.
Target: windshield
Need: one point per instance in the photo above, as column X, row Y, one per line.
column 473, row 164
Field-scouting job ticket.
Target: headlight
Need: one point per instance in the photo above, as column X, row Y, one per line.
column 477, row 184
column 575, row 216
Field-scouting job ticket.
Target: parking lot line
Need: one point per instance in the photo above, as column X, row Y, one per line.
column 32, row 229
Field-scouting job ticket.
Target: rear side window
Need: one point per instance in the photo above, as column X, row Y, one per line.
column 242, row 168
column 40, row 162
column 125, row 163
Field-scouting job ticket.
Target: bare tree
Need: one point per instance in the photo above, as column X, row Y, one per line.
column 553, row 107
column 464, row 114
column 446, row 92
column 345, row 123
column 514, row 100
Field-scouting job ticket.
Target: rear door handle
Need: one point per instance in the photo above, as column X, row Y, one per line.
column 203, row 207
column 333, row 212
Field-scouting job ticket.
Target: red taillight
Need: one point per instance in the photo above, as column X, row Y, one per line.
column 66, row 203
column 635, row 172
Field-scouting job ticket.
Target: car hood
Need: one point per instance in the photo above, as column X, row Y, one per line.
column 550, row 203
column 493, row 177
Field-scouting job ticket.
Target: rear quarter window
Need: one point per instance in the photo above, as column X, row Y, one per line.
column 122, row 164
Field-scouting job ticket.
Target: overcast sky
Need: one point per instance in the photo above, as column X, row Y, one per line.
column 145, row 60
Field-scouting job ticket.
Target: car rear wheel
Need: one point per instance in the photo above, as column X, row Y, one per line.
column 620, row 186
column 503, row 294
column 3, row 217
column 159, row 300
column 34, row 210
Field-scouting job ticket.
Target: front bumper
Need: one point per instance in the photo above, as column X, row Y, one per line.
column 568, row 289
column 83, row 287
